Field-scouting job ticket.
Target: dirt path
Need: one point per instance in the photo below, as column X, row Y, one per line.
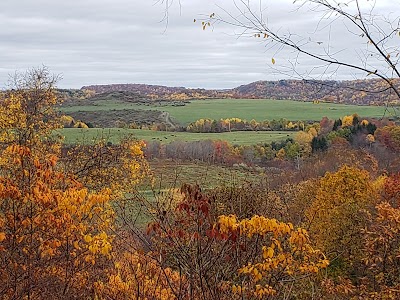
column 166, row 115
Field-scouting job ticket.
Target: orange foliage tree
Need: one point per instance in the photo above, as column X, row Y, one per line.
column 389, row 136
column 53, row 230
column 382, row 245
column 55, row 234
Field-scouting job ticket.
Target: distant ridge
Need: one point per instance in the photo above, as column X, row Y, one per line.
column 361, row 92
column 156, row 92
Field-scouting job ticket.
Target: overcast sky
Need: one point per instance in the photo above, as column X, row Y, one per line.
column 126, row 41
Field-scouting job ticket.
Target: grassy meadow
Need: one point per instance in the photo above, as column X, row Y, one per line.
column 168, row 174
column 258, row 109
column 114, row 135
column 261, row 109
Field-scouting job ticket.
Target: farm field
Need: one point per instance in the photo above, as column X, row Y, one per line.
column 168, row 174
column 258, row 109
column 114, row 135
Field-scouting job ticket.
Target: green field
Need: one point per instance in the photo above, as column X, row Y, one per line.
column 266, row 110
column 78, row 135
column 258, row 109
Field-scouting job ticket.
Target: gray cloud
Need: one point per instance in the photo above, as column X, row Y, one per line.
column 123, row 41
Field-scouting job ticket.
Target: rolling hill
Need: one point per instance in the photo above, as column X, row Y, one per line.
column 360, row 92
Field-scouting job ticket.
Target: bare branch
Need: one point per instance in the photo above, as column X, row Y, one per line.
column 378, row 57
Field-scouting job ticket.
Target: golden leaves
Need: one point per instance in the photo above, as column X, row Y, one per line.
column 268, row 252
column 347, row 121
column 98, row 244
column 227, row 223
column 136, row 149
column 76, row 245
column 139, row 277
column 336, row 215
column 286, row 251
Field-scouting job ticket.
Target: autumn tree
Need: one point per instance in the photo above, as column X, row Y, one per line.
column 287, row 258
column 335, row 218
column 183, row 237
column 222, row 257
column 119, row 167
column 304, row 140
column 55, row 233
column 380, row 250
column 389, row 136
column 136, row 275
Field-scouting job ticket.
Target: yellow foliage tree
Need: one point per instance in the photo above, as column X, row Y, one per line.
column 364, row 122
column 286, row 255
column 312, row 131
column 80, row 124
column 67, row 121
column 136, row 276
column 304, row 140
column 347, row 121
column 281, row 154
column 335, row 218
column 27, row 113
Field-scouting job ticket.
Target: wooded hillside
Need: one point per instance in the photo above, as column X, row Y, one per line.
column 363, row 92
